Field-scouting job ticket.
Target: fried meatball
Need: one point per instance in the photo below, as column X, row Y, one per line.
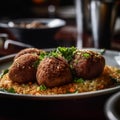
column 53, row 72
column 87, row 64
column 29, row 50
column 23, row 68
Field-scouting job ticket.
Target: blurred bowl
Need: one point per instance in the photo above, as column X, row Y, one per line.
column 38, row 32
column 112, row 107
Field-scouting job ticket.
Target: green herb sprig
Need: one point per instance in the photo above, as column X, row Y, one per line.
column 4, row 72
column 78, row 80
column 67, row 52
column 42, row 87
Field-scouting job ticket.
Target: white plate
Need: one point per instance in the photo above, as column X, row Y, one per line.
column 109, row 57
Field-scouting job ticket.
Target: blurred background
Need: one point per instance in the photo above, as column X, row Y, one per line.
column 17, row 9
column 38, row 9
column 63, row 9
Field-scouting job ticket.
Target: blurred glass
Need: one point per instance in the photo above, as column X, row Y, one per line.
column 95, row 22
column 46, row 7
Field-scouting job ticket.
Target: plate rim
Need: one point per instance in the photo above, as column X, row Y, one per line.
column 108, row 108
column 3, row 23
column 62, row 96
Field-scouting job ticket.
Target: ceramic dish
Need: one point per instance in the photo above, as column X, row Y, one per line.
column 109, row 56
column 35, row 36
column 112, row 107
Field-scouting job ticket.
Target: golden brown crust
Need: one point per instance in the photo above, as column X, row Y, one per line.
column 53, row 72
column 29, row 50
column 87, row 64
column 23, row 70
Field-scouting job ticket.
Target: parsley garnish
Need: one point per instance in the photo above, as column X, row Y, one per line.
column 67, row 52
column 114, row 80
column 4, row 72
column 42, row 56
column 78, row 80
column 36, row 63
column 42, row 87
column 86, row 55
column 11, row 90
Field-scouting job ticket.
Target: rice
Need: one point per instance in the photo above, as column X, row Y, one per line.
column 109, row 78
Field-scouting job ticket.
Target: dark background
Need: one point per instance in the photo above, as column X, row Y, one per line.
column 11, row 9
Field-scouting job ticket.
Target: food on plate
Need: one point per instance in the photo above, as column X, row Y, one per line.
column 87, row 64
column 32, row 24
column 23, row 68
column 59, row 71
column 29, row 50
column 53, row 72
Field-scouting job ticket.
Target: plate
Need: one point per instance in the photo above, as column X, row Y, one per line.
column 50, row 23
column 109, row 57
column 112, row 107
column 34, row 36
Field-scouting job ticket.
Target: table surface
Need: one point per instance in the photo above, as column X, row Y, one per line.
column 17, row 109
